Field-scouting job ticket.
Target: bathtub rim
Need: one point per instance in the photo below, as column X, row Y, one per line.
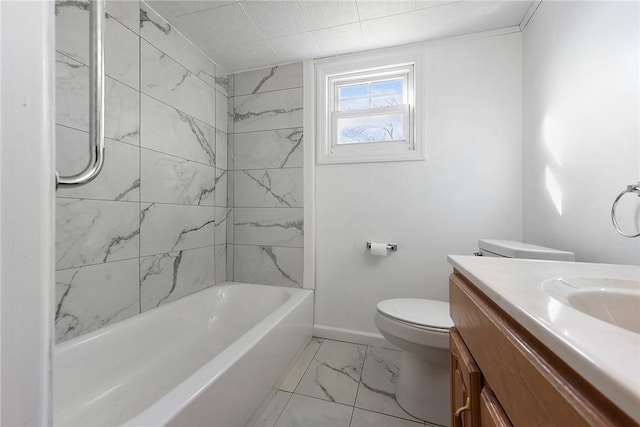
column 176, row 399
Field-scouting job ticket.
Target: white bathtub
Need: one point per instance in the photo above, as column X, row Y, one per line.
column 210, row 358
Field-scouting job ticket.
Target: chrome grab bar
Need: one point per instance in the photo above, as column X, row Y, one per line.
column 96, row 100
column 630, row 189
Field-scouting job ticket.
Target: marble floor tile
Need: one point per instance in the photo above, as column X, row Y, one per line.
column 362, row 418
column 302, row 411
column 304, row 360
column 377, row 388
column 334, row 373
column 273, row 410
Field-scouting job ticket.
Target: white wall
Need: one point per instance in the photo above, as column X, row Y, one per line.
column 468, row 188
column 581, row 112
column 26, row 212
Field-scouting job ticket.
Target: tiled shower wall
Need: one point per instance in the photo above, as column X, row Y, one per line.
column 143, row 233
column 266, row 223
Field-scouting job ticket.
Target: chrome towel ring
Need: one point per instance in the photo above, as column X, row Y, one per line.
column 96, row 101
column 630, row 189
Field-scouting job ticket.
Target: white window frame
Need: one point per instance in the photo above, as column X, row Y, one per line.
column 331, row 72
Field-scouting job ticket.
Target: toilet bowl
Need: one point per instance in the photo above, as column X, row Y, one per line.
column 420, row 327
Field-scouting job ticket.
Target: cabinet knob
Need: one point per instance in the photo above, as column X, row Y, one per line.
column 466, row 407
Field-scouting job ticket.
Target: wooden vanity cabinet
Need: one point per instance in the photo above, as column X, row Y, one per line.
column 465, row 384
column 510, row 377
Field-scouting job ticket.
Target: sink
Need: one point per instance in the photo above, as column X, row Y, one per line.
column 615, row 301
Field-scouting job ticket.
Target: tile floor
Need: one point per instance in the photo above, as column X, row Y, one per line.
column 340, row 384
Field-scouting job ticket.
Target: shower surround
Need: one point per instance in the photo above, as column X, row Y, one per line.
column 150, row 229
column 265, row 224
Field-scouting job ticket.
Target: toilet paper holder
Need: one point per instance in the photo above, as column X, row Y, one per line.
column 390, row 246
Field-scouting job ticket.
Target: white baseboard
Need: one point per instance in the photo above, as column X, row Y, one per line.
column 349, row 335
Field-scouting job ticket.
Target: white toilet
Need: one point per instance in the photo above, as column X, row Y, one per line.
column 420, row 327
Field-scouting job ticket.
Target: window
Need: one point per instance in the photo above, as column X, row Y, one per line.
column 367, row 113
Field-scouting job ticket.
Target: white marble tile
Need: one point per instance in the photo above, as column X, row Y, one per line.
column 271, row 110
column 172, row 228
column 268, row 149
column 334, row 372
column 268, row 188
column 230, row 151
column 90, row 297
column 273, row 410
column 222, row 216
column 229, row 221
column 378, row 384
column 169, row 276
column 230, row 188
column 221, row 112
column 302, row 411
column 362, row 418
column 168, row 130
column 221, row 150
column 121, row 50
column 268, row 79
column 125, row 11
column 95, row 231
column 304, row 360
column 269, row 226
column 166, row 80
column 223, row 81
column 169, row 179
column 268, row 265
column 221, row 187
column 119, row 178
column 72, row 102
column 230, row 257
column 164, row 36
column 221, row 263
column 230, row 115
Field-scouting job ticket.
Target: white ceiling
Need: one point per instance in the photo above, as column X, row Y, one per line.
column 247, row 34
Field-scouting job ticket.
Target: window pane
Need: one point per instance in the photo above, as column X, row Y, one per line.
column 388, row 87
column 374, row 94
column 374, row 128
column 354, row 91
column 386, row 100
column 354, row 104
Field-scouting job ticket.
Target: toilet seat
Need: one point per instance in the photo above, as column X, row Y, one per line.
column 422, row 313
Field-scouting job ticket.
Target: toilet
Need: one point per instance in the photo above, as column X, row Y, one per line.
column 420, row 327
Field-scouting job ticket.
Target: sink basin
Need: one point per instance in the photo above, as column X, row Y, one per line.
column 614, row 301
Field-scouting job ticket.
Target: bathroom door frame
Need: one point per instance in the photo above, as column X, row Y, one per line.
column 27, row 88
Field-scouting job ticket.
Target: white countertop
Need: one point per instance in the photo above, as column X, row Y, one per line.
column 605, row 355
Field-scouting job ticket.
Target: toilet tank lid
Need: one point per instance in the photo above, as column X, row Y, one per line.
column 422, row 312
column 511, row 249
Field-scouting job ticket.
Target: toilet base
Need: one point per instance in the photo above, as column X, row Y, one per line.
column 423, row 386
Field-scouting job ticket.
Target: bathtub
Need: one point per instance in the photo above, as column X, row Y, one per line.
column 210, row 358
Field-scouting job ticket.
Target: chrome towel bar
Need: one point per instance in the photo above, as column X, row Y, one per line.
column 96, row 100
column 630, row 189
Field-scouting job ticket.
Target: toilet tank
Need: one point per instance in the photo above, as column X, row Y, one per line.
column 511, row 249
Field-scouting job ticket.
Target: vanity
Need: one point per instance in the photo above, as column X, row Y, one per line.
column 544, row 343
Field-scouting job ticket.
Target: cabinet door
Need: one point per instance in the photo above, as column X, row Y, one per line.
column 465, row 384
column 491, row 412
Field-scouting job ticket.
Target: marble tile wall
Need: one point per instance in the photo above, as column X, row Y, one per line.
column 151, row 227
column 265, row 225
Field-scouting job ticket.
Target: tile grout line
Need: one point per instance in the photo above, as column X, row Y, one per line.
column 307, row 368
column 139, row 161
column 283, row 407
